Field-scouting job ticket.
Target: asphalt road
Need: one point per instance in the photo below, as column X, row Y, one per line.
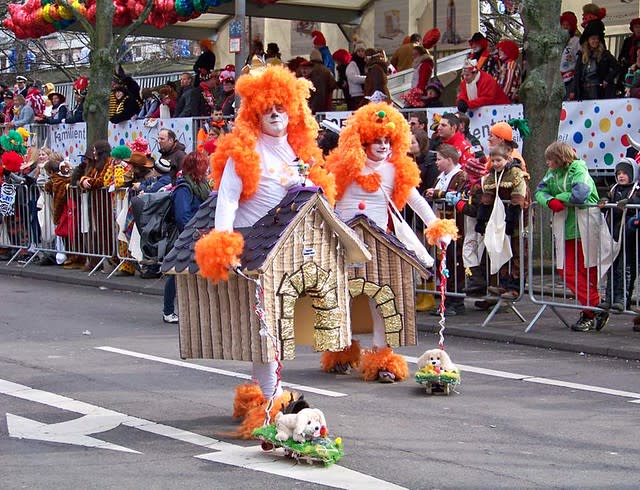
column 522, row 418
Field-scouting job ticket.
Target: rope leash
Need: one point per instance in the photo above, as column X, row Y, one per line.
column 264, row 332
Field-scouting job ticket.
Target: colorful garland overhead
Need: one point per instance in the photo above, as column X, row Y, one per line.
column 37, row 18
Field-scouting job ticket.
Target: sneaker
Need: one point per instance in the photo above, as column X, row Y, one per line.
column 602, row 318
column 605, row 305
column 386, row 377
column 618, row 306
column 170, row 318
column 584, row 324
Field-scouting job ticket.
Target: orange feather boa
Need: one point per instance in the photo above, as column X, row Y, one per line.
column 216, row 252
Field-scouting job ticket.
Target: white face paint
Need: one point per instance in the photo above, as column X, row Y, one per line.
column 274, row 121
column 378, row 150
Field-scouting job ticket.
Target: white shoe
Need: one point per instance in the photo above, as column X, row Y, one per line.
column 171, row 318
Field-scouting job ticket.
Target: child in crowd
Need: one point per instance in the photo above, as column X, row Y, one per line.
column 452, row 179
column 622, row 275
column 567, row 181
column 505, row 182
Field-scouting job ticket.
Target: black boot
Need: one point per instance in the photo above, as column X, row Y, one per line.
column 476, row 284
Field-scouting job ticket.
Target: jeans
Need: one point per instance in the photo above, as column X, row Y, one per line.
column 169, row 295
column 620, row 275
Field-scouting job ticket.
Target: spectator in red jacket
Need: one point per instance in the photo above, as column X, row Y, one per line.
column 478, row 88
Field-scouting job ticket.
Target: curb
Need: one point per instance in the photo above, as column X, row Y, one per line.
column 80, row 280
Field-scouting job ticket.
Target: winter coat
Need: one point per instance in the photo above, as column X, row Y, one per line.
column 191, row 103
column 185, row 204
column 327, row 60
column 57, row 187
column 422, row 70
column 606, row 71
column 402, row 59
column 570, row 184
column 123, row 110
column 488, row 92
column 25, row 116
column 58, row 114
column 321, row 99
column 175, row 155
column 76, row 115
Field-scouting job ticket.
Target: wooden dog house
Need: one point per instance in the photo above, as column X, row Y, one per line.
column 388, row 280
column 299, row 248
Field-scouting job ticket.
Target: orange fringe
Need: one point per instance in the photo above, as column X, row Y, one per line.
column 216, row 252
column 248, row 396
column 374, row 360
column 350, row 355
column 275, row 86
column 363, row 126
column 254, row 418
column 439, row 229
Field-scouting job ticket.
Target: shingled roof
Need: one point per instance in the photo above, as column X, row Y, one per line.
column 263, row 236
column 391, row 240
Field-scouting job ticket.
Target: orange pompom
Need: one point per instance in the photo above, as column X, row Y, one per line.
column 350, row 355
column 375, row 360
column 248, row 396
column 217, row 251
column 441, row 229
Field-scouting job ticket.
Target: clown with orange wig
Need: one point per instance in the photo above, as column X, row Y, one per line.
column 268, row 152
column 371, row 166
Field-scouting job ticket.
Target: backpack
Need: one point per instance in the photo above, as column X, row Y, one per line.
column 154, row 217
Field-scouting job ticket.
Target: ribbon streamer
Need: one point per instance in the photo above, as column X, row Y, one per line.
column 444, row 275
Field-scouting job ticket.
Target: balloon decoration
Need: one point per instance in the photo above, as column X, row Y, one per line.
column 37, row 18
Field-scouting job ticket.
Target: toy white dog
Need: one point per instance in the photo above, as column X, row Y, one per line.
column 306, row 424
column 436, row 358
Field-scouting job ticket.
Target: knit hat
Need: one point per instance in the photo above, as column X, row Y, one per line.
column 502, row 130
column 318, row 39
column 474, row 168
column 162, row 165
column 436, row 85
column 121, row 152
column 509, row 48
column 342, row 56
column 571, row 19
column 431, row 38
column 634, row 22
column 627, row 165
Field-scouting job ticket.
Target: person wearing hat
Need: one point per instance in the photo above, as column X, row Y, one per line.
column 80, row 89
column 596, row 68
column 342, row 58
column 22, row 112
column 324, row 84
column 501, row 133
column 626, row 190
column 508, row 69
column 124, row 106
column 21, row 86
column 273, row 55
column 478, row 88
column 479, row 50
column 7, row 108
column 320, row 43
column 141, row 166
column 160, row 178
column 205, row 63
column 629, row 51
column 570, row 53
column 58, row 109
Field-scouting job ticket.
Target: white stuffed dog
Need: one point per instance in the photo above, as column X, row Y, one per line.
column 301, row 426
column 436, row 358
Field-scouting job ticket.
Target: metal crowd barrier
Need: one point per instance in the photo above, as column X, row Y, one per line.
column 457, row 270
column 611, row 256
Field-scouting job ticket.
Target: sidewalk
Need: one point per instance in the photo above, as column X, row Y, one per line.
column 615, row 340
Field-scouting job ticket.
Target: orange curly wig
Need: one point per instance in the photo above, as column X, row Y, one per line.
column 276, row 85
column 368, row 123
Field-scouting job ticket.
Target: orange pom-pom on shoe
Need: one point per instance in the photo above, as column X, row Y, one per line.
column 248, row 396
column 441, row 230
column 375, row 360
column 218, row 251
column 350, row 356
column 254, row 418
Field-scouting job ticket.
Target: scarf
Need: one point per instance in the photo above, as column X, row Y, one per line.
column 199, row 189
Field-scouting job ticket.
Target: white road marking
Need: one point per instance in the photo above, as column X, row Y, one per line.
column 97, row 418
column 254, row 458
column 223, row 372
column 543, row 381
column 70, row 432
